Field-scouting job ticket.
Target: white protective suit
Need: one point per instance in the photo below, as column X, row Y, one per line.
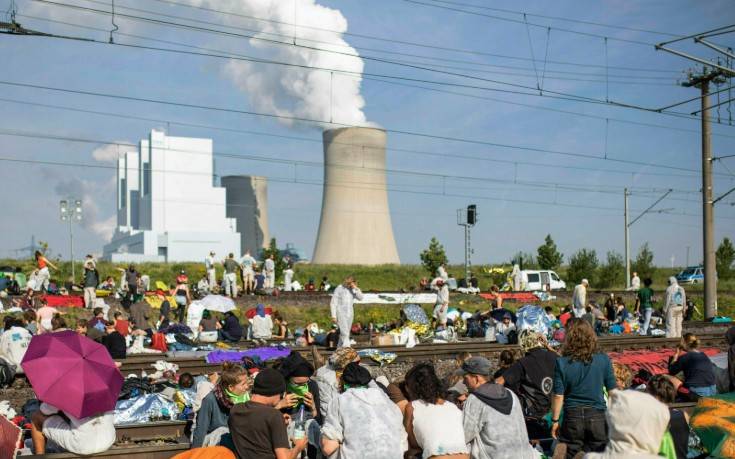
column 342, row 309
column 579, row 300
column 442, row 273
column 287, row 279
column 442, row 304
column 367, row 424
column 517, row 278
column 636, row 424
column 676, row 298
column 211, row 272
column 270, row 273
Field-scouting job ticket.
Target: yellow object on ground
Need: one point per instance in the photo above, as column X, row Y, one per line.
column 155, row 302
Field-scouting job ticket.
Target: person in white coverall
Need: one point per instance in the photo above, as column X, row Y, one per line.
column 517, row 278
column 674, row 305
column 343, row 312
column 579, row 298
column 211, row 272
column 442, row 303
column 270, row 272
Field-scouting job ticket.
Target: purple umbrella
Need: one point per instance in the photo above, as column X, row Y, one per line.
column 72, row 373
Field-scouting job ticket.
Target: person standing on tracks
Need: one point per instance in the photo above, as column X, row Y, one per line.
column 644, row 300
column 579, row 298
column 517, row 278
column 442, row 303
column 211, row 271
column 635, row 283
column 580, row 377
column 270, row 271
column 342, row 308
column 230, row 281
column 674, row 305
column 247, row 263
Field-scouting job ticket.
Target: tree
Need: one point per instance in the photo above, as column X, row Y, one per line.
column 433, row 257
column 548, row 255
column 272, row 249
column 583, row 265
column 643, row 263
column 611, row 273
column 725, row 256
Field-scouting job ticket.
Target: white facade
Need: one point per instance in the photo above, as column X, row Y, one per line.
column 167, row 207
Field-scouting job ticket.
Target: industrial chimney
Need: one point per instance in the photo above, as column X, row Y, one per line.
column 355, row 225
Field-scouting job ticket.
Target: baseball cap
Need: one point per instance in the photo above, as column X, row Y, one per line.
column 459, row 388
column 476, row 366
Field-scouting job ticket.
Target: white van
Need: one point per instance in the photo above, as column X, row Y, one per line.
column 541, row 280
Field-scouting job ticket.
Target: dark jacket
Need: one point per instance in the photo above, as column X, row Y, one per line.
column 115, row 344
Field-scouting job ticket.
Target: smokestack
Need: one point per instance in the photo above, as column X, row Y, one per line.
column 247, row 203
column 355, row 225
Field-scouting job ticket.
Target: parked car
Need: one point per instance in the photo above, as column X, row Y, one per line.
column 534, row 280
column 691, row 275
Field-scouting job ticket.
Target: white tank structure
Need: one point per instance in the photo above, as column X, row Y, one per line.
column 355, row 225
column 247, row 203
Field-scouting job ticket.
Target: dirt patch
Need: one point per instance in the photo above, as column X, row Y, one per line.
column 18, row 393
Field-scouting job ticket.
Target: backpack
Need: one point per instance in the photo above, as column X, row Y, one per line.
column 7, row 373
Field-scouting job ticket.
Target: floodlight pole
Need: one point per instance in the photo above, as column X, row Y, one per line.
column 627, row 241
column 71, row 249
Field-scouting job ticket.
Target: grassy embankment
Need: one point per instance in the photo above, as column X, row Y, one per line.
column 379, row 278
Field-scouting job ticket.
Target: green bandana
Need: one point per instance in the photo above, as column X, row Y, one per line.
column 237, row 398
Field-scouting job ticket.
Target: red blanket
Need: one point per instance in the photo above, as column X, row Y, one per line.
column 654, row 361
column 515, row 296
column 65, row 301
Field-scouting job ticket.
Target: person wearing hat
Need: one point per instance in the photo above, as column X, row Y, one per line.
column 298, row 372
column 505, row 330
column 493, row 421
column 258, row 429
column 211, row 271
column 442, row 302
column 531, row 378
column 342, row 309
column 579, row 298
column 362, row 422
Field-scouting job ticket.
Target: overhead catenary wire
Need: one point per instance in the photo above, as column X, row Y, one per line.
column 344, row 184
column 268, row 159
column 549, row 93
column 396, row 40
column 324, row 122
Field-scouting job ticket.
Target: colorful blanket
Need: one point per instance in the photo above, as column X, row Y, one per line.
column 65, row 301
column 714, row 422
column 515, row 296
column 654, row 361
column 263, row 353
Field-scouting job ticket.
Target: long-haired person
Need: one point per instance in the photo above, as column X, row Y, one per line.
column 698, row 369
column 43, row 276
column 433, row 424
column 581, row 376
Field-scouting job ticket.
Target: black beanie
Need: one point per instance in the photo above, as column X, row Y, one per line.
column 295, row 365
column 355, row 375
column 269, row 382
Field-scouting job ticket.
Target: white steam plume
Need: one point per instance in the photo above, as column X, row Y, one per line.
column 293, row 91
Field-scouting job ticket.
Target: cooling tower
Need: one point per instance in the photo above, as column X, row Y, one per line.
column 247, row 203
column 355, row 226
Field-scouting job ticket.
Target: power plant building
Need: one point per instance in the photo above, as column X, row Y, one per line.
column 247, row 203
column 355, row 225
column 168, row 209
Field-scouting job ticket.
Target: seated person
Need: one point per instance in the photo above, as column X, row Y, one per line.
column 324, row 285
column 505, row 331
column 90, row 435
column 281, row 326
column 208, row 327
column 14, row 342
column 97, row 320
column 203, row 285
column 114, row 342
column 122, row 325
column 92, row 333
column 310, row 287
column 231, row 329
column 108, row 284
column 58, row 323
column 262, row 325
column 259, row 280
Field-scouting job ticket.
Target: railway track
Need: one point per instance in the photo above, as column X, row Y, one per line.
column 136, row 364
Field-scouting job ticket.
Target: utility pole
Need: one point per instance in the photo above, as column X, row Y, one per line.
column 627, row 241
column 708, row 215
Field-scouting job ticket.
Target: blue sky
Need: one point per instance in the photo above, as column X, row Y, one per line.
column 513, row 216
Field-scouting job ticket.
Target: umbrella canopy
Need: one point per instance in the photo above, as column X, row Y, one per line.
column 72, row 373
column 217, row 303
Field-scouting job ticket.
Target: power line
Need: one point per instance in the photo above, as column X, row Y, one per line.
column 558, row 18
column 318, row 183
column 549, row 93
column 394, row 40
column 305, row 139
column 323, row 122
column 295, row 163
column 517, row 21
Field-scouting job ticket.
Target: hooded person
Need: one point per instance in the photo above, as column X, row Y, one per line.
column 637, row 424
column 494, row 426
column 300, row 388
column 327, row 376
column 262, row 324
column 517, row 278
column 342, row 308
column 362, row 422
column 579, row 298
column 674, row 308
